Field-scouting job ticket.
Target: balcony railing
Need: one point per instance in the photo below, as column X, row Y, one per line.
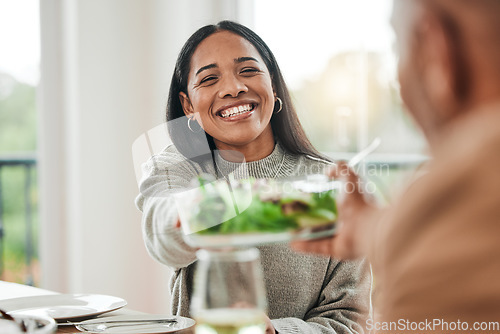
column 28, row 163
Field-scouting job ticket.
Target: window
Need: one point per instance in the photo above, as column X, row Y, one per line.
column 19, row 58
column 337, row 57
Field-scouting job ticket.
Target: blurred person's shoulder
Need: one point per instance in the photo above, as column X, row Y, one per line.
column 464, row 168
column 445, row 226
column 472, row 136
column 469, row 154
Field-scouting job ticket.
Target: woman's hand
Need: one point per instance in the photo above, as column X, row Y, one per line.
column 354, row 222
column 269, row 326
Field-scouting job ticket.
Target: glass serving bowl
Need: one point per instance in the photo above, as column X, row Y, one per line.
column 228, row 212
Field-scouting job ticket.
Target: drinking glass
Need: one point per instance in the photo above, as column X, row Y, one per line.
column 229, row 295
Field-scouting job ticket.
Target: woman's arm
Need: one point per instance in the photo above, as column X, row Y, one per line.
column 343, row 304
column 163, row 239
column 163, row 175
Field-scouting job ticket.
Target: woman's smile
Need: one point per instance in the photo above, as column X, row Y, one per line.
column 236, row 111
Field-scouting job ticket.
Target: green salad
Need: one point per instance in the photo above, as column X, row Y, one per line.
column 257, row 205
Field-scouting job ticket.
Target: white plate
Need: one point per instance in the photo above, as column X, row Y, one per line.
column 257, row 239
column 134, row 328
column 63, row 307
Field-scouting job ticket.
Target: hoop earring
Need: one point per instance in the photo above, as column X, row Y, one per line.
column 190, row 128
column 281, row 105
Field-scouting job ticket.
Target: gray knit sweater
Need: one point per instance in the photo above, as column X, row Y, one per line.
column 306, row 294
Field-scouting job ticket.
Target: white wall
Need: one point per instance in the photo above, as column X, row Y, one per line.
column 105, row 72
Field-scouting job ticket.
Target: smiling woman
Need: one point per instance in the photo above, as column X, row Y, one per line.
column 227, row 80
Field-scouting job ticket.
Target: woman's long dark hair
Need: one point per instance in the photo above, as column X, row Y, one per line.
column 285, row 124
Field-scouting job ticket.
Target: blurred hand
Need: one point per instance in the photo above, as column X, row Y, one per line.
column 353, row 225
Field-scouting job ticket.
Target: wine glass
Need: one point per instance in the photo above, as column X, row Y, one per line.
column 229, row 295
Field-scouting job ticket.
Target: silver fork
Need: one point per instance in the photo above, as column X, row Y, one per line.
column 87, row 322
column 102, row 326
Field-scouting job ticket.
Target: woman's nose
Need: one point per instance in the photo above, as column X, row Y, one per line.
column 231, row 86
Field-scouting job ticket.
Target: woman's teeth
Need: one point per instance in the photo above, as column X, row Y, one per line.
column 236, row 110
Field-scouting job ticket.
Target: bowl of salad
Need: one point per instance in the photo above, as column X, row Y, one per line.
column 229, row 212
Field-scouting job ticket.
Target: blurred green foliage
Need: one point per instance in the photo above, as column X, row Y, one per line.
column 17, row 116
column 18, row 134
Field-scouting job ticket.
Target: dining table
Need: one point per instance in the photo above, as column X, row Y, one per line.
column 10, row 290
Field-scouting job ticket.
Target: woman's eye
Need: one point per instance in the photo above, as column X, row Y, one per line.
column 249, row 70
column 207, row 79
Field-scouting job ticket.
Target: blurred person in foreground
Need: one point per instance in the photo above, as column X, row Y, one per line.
column 435, row 252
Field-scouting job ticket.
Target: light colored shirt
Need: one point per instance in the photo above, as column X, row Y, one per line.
column 437, row 255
